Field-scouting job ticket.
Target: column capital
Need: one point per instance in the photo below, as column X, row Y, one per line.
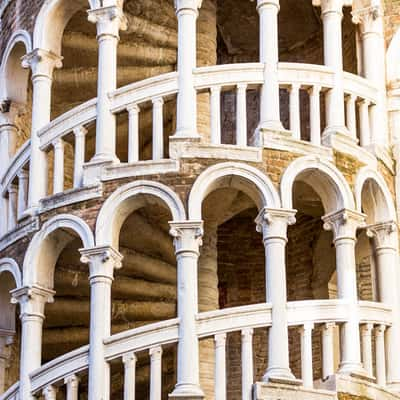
column 32, row 300
column 384, row 235
column 156, row 353
column 366, row 329
column 273, row 223
column 369, row 19
column 129, row 358
column 330, row 6
column 187, row 5
column 187, row 236
column 268, row 3
column 109, row 20
column 9, row 110
column 80, row 131
column 72, row 380
column 42, row 62
column 379, row 330
column 102, row 261
column 344, row 223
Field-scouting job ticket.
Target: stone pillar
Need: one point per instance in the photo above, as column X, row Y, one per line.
column 109, row 20
column 187, row 240
column 332, row 15
column 269, row 56
column 273, row 223
column 12, row 207
column 42, row 64
column 208, row 301
column 370, row 21
column 385, row 239
column 344, row 225
column 8, row 134
column 32, row 301
column 102, row 262
column 186, row 120
column 23, row 182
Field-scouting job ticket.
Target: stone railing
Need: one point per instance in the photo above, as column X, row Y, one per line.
column 151, row 339
column 72, row 127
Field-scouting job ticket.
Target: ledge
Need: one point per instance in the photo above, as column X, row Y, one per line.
column 70, row 197
column 140, row 168
column 24, row 228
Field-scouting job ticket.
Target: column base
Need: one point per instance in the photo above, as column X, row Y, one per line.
column 394, row 386
column 353, row 369
column 93, row 169
column 178, row 144
column 333, row 134
column 186, row 392
column 281, row 375
column 263, row 134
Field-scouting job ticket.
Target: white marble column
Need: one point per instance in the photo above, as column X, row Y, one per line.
column 80, row 145
column 366, row 348
column 6, row 339
column 332, row 15
column 8, row 134
column 247, row 364
column 370, row 21
column 344, row 225
column 187, row 240
column 380, row 358
column 102, row 263
column 42, row 64
column 155, row 373
column 273, row 223
column 32, row 302
column 129, row 361
column 186, row 117
column 269, row 55
column 58, row 171
column 12, row 207
column 328, row 359
column 385, row 239
column 72, row 383
column 23, row 182
column 109, row 21
column 306, row 355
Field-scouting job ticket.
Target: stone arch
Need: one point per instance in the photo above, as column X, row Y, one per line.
column 47, row 244
column 9, row 265
column 53, row 17
column 14, row 78
column 325, row 179
column 239, row 176
column 373, row 197
column 126, row 200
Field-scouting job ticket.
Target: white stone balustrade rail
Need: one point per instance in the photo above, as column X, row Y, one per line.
column 151, row 339
column 12, row 393
column 361, row 97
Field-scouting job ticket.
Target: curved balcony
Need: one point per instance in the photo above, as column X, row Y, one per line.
column 237, row 79
column 302, row 315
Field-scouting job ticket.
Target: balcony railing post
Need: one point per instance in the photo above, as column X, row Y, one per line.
column 109, row 21
column 32, row 302
column 129, row 361
column 344, row 225
column 370, row 20
column 294, row 111
column 42, row 64
column 155, row 373
column 269, row 55
column 220, row 366
column 351, row 115
column 215, row 100
column 247, row 364
column 332, row 14
column 158, row 129
column 58, row 171
column 23, row 182
column 80, row 145
column 365, row 133
column 385, row 238
column 366, row 348
column 8, row 134
column 187, row 240
column 133, row 133
column 328, row 368
column 102, row 263
column 72, row 389
column 12, row 206
column 306, row 355
column 273, row 223
column 241, row 115
column 186, row 119
column 315, row 115
column 50, row 393
column 380, row 360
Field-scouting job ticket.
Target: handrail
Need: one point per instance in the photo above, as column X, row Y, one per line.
column 11, row 393
column 60, row 368
column 145, row 337
column 18, row 161
column 360, row 87
column 65, row 123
